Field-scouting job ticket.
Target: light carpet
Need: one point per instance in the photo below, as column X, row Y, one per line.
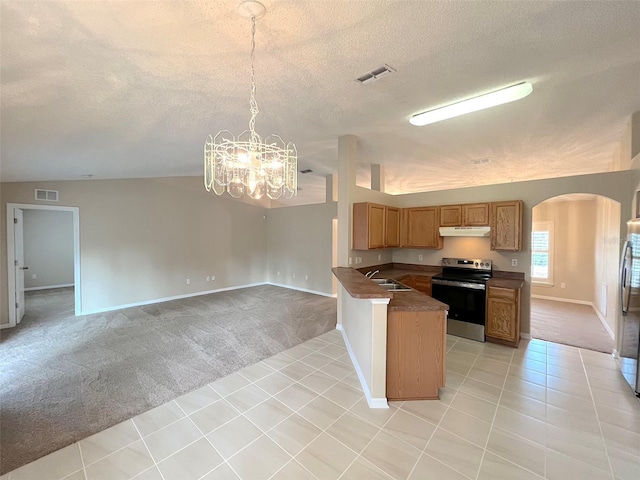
column 65, row 377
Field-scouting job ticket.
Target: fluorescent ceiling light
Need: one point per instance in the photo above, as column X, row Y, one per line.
column 504, row 95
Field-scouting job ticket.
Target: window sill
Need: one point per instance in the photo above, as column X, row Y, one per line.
column 541, row 284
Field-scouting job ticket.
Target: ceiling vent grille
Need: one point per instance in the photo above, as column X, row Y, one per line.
column 480, row 161
column 376, row 74
column 306, row 170
column 47, row 195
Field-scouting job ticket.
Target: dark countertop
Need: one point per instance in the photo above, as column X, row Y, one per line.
column 360, row 286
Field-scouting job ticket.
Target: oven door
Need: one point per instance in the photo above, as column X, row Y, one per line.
column 467, row 301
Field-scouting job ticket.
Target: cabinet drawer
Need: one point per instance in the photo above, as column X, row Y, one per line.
column 499, row 292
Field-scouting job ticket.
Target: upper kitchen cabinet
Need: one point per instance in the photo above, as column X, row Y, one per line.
column 475, row 215
column 375, row 226
column 422, row 225
column 506, row 225
column 469, row 215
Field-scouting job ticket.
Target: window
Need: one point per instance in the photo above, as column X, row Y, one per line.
column 542, row 253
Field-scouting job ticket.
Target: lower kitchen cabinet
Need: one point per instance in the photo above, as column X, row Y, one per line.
column 416, row 344
column 421, row 283
column 503, row 316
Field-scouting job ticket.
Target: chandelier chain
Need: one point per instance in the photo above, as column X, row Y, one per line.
column 253, row 103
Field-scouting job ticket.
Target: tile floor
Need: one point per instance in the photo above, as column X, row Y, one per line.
column 541, row 411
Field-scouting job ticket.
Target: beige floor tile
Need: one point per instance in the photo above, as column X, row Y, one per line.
column 491, row 365
column 428, row 468
column 353, row 431
column 621, row 438
column 410, row 429
column 525, row 405
column 524, row 453
column 190, row 463
column 298, row 352
column 260, row 460
column 121, row 465
column 567, row 374
column 197, row 399
column 343, row 395
column 223, row 472
column 232, row 437
column 626, row 466
column 618, row 417
column 574, row 420
column 427, row 410
column 213, row 416
column 586, row 447
column 317, row 360
column 150, row 474
column 377, row 416
column 470, row 428
column 278, row 361
column 454, row 380
column 247, row 397
column 455, row 452
column 391, row 455
column 473, row 348
column 570, row 402
column 496, row 468
column 157, row 418
column 55, row 465
column 318, row 381
column 575, row 389
column 526, row 389
column 169, row 440
column 256, row 371
column 321, row 412
column 474, row 406
column 296, row 396
column 297, row 371
column 108, row 441
column 529, row 363
column 293, row 434
column 624, row 400
column 520, row 424
column 337, row 369
column 274, row 383
column 293, row 471
column 363, row 469
column 326, row 458
column 345, row 358
column 614, row 383
column 480, row 389
column 333, row 351
column 353, row 381
column 528, row 375
column 229, row 384
column 562, row 467
column 268, row 414
column 79, row 475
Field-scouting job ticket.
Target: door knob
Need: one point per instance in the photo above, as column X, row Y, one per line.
column 24, row 268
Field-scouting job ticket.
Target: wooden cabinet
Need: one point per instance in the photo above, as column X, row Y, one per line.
column 422, row 225
column 375, row 226
column 506, row 226
column 503, row 315
column 421, row 283
column 451, row 216
column 475, row 215
column 415, row 354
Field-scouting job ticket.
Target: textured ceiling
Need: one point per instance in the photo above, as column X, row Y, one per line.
column 127, row 89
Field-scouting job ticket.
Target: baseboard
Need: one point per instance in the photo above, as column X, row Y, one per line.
column 300, row 289
column 581, row 302
column 168, row 299
column 526, row 336
column 31, row 289
column 4, row 325
column 373, row 402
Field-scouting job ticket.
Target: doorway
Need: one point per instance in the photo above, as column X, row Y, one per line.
column 15, row 257
column 575, row 250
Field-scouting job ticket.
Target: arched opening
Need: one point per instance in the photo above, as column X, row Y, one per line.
column 575, row 251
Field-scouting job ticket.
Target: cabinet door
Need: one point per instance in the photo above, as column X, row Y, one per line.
column 506, row 226
column 475, row 214
column 503, row 315
column 422, row 227
column 451, row 216
column 423, row 284
column 368, row 226
column 408, row 280
column 392, row 227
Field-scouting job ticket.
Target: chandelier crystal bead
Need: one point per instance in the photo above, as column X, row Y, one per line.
column 247, row 164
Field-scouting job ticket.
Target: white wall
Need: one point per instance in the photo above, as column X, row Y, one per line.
column 48, row 248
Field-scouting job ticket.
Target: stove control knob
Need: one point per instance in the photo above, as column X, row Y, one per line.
column 476, row 264
column 482, row 264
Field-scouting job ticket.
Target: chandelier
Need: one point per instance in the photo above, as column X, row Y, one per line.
column 247, row 164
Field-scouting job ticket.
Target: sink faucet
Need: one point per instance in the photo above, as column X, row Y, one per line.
column 371, row 274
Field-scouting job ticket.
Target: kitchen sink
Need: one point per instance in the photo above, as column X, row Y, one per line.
column 391, row 285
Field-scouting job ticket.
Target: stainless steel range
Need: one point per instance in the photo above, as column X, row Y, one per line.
column 462, row 285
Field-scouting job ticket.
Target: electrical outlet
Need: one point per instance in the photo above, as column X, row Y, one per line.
column 350, row 260
column 213, row 277
column 420, row 258
column 34, row 276
column 563, row 285
column 188, row 281
column 208, row 279
column 379, row 257
column 514, row 262
column 358, row 260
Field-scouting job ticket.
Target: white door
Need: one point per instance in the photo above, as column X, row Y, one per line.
column 19, row 262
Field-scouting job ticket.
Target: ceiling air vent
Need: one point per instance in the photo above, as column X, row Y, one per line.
column 480, row 161
column 47, row 195
column 306, row 170
column 376, row 74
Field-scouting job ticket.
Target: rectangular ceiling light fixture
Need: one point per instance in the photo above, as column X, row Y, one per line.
column 498, row 97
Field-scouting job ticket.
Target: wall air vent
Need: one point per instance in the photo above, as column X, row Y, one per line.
column 376, row 74
column 306, row 170
column 47, row 195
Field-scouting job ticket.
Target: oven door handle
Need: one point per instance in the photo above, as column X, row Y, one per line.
column 451, row 283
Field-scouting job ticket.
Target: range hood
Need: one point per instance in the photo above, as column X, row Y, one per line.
column 465, row 231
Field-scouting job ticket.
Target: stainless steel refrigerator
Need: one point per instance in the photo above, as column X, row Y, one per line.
column 628, row 335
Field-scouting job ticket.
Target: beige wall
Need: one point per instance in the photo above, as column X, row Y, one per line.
column 141, row 239
column 48, row 248
column 573, row 249
column 299, row 241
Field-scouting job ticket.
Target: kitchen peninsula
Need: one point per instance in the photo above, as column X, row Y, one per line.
column 396, row 340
